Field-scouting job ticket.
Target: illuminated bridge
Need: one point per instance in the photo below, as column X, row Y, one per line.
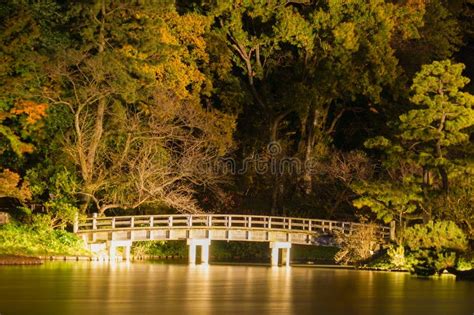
column 108, row 233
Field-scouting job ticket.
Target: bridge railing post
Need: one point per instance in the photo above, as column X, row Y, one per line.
column 113, row 223
column 132, row 222
column 152, row 221
column 94, row 221
column 76, row 223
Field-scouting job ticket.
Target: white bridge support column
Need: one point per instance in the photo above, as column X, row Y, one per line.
column 193, row 243
column 112, row 249
column 285, row 248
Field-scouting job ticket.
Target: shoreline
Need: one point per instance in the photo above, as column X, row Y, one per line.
column 21, row 260
column 15, row 260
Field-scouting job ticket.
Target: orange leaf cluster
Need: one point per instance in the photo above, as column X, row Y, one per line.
column 34, row 111
column 10, row 186
column 26, row 148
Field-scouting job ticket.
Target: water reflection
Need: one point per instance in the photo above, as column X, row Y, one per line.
column 146, row 288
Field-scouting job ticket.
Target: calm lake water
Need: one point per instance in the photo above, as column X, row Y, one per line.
column 154, row 288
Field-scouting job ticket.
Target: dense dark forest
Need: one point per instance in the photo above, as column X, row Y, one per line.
column 357, row 110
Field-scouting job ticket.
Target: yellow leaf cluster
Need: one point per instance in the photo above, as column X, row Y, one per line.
column 177, row 69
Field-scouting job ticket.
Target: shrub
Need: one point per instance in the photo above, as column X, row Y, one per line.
column 434, row 247
column 439, row 235
column 38, row 239
column 159, row 248
column 358, row 246
column 397, row 257
column 464, row 264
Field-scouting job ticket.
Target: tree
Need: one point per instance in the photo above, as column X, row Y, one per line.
column 16, row 125
column 301, row 67
column 437, row 131
column 431, row 147
column 390, row 202
column 132, row 85
column 439, row 38
column 21, row 115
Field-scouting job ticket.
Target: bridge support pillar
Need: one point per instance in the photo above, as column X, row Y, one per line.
column 285, row 249
column 193, row 244
column 112, row 248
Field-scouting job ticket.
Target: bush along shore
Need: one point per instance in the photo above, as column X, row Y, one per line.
column 426, row 250
column 394, row 259
column 222, row 251
column 26, row 244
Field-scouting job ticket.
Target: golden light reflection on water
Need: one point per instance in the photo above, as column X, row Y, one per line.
column 148, row 288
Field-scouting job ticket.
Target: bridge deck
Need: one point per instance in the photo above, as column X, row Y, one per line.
column 216, row 227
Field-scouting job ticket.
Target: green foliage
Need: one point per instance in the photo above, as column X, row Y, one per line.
column 38, row 239
column 131, row 82
column 323, row 254
column 61, row 188
column 464, row 264
column 429, row 262
column 428, row 249
column 433, row 133
column 397, row 257
column 434, row 247
column 247, row 251
column 293, row 72
column 458, row 206
column 118, row 105
column 380, row 262
column 21, row 113
column 430, row 149
column 439, row 37
column 436, row 235
column 159, row 248
column 446, row 111
column 435, row 136
column 388, row 201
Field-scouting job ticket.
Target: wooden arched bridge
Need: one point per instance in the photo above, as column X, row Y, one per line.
column 199, row 230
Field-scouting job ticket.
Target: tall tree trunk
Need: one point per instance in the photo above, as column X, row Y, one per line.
column 425, row 186
column 274, row 170
column 90, row 153
column 307, row 178
column 277, row 188
column 439, row 151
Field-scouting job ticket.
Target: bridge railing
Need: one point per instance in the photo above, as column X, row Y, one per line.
column 228, row 222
